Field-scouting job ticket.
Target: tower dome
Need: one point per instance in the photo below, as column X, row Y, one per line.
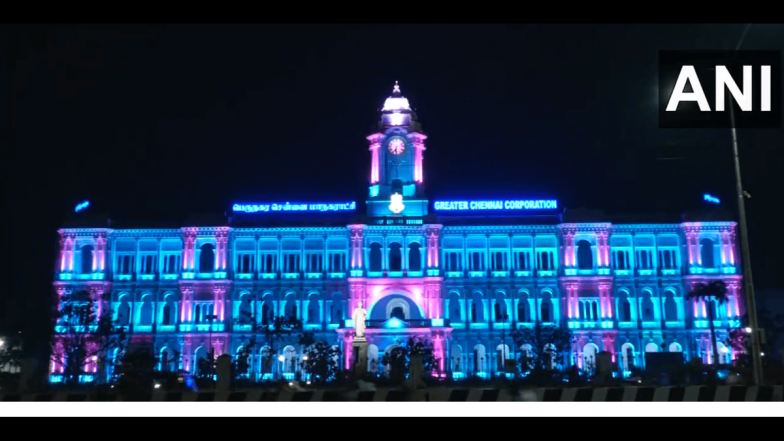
column 397, row 102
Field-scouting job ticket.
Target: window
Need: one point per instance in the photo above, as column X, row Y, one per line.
column 245, row 263
column 670, row 307
column 706, row 253
column 207, row 258
column 621, row 259
column 668, row 259
column 125, row 264
column 546, row 261
column 546, row 309
column 314, row 262
column 398, row 313
column 625, row 311
column 644, row 259
column 148, row 262
column 145, row 312
column 589, row 310
column 476, row 261
column 168, row 315
column 203, row 312
column 522, row 260
column 648, row 314
column 454, row 261
column 395, row 257
column 87, row 259
column 498, row 261
column 414, row 257
column 375, row 257
column 522, row 310
column 291, row 263
column 337, row 262
column 584, row 255
column 171, row 264
column 269, row 263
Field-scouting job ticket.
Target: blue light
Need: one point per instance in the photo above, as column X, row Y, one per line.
column 394, row 323
column 82, row 206
column 711, row 199
column 495, row 205
column 277, row 207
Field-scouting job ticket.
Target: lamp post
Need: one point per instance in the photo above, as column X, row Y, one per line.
column 212, row 356
column 751, row 307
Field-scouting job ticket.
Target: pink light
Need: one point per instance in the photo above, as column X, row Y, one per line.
column 729, row 308
column 374, row 171
column 696, row 308
column 62, row 260
column 704, row 309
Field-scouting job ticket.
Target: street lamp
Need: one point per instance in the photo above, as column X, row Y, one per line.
column 212, row 355
column 751, row 307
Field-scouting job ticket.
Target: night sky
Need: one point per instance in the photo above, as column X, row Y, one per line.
column 155, row 123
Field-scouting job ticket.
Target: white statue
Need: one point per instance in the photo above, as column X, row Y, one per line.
column 359, row 316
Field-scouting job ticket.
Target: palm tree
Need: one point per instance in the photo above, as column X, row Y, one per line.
column 716, row 290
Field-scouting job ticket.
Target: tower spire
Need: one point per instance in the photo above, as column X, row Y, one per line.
column 396, row 89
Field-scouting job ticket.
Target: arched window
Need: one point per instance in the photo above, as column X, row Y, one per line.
column 522, row 309
column 266, row 313
column 590, row 351
column 651, row 347
column 290, row 309
column 500, row 307
column 479, row 358
column 627, row 356
column 124, row 311
column 455, row 311
column 246, row 309
column 675, row 347
column 168, row 361
column 584, row 255
column 336, row 309
column 477, row 308
column 625, row 309
column 168, row 316
column 414, row 257
column 706, row 253
column 372, row 358
column 375, row 257
column 207, row 258
column 395, row 257
column 313, row 309
column 647, row 308
column 457, row 355
column 145, row 312
column 266, row 360
column 501, row 353
column 398, row 313
column 546, row 314
column 87, row 259
column 670, row 307
column 201, row 363
column 289, row 360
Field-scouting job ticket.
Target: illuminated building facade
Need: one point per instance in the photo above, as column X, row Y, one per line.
column 460, row 273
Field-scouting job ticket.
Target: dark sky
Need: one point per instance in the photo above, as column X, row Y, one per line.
column 158, row 122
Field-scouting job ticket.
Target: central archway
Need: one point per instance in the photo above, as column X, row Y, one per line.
column 408, row 302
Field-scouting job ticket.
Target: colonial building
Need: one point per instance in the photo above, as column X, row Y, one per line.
column 460, row 273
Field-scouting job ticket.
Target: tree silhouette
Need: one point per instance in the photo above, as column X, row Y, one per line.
column 320, row 359
column 547, row 343
column 278, row 329
column 716, row 290
column 399, row 358
column 82, row 337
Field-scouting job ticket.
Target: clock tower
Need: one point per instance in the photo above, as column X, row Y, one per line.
column 397, row 149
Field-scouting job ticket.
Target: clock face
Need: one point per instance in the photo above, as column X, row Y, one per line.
column 396, row 146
